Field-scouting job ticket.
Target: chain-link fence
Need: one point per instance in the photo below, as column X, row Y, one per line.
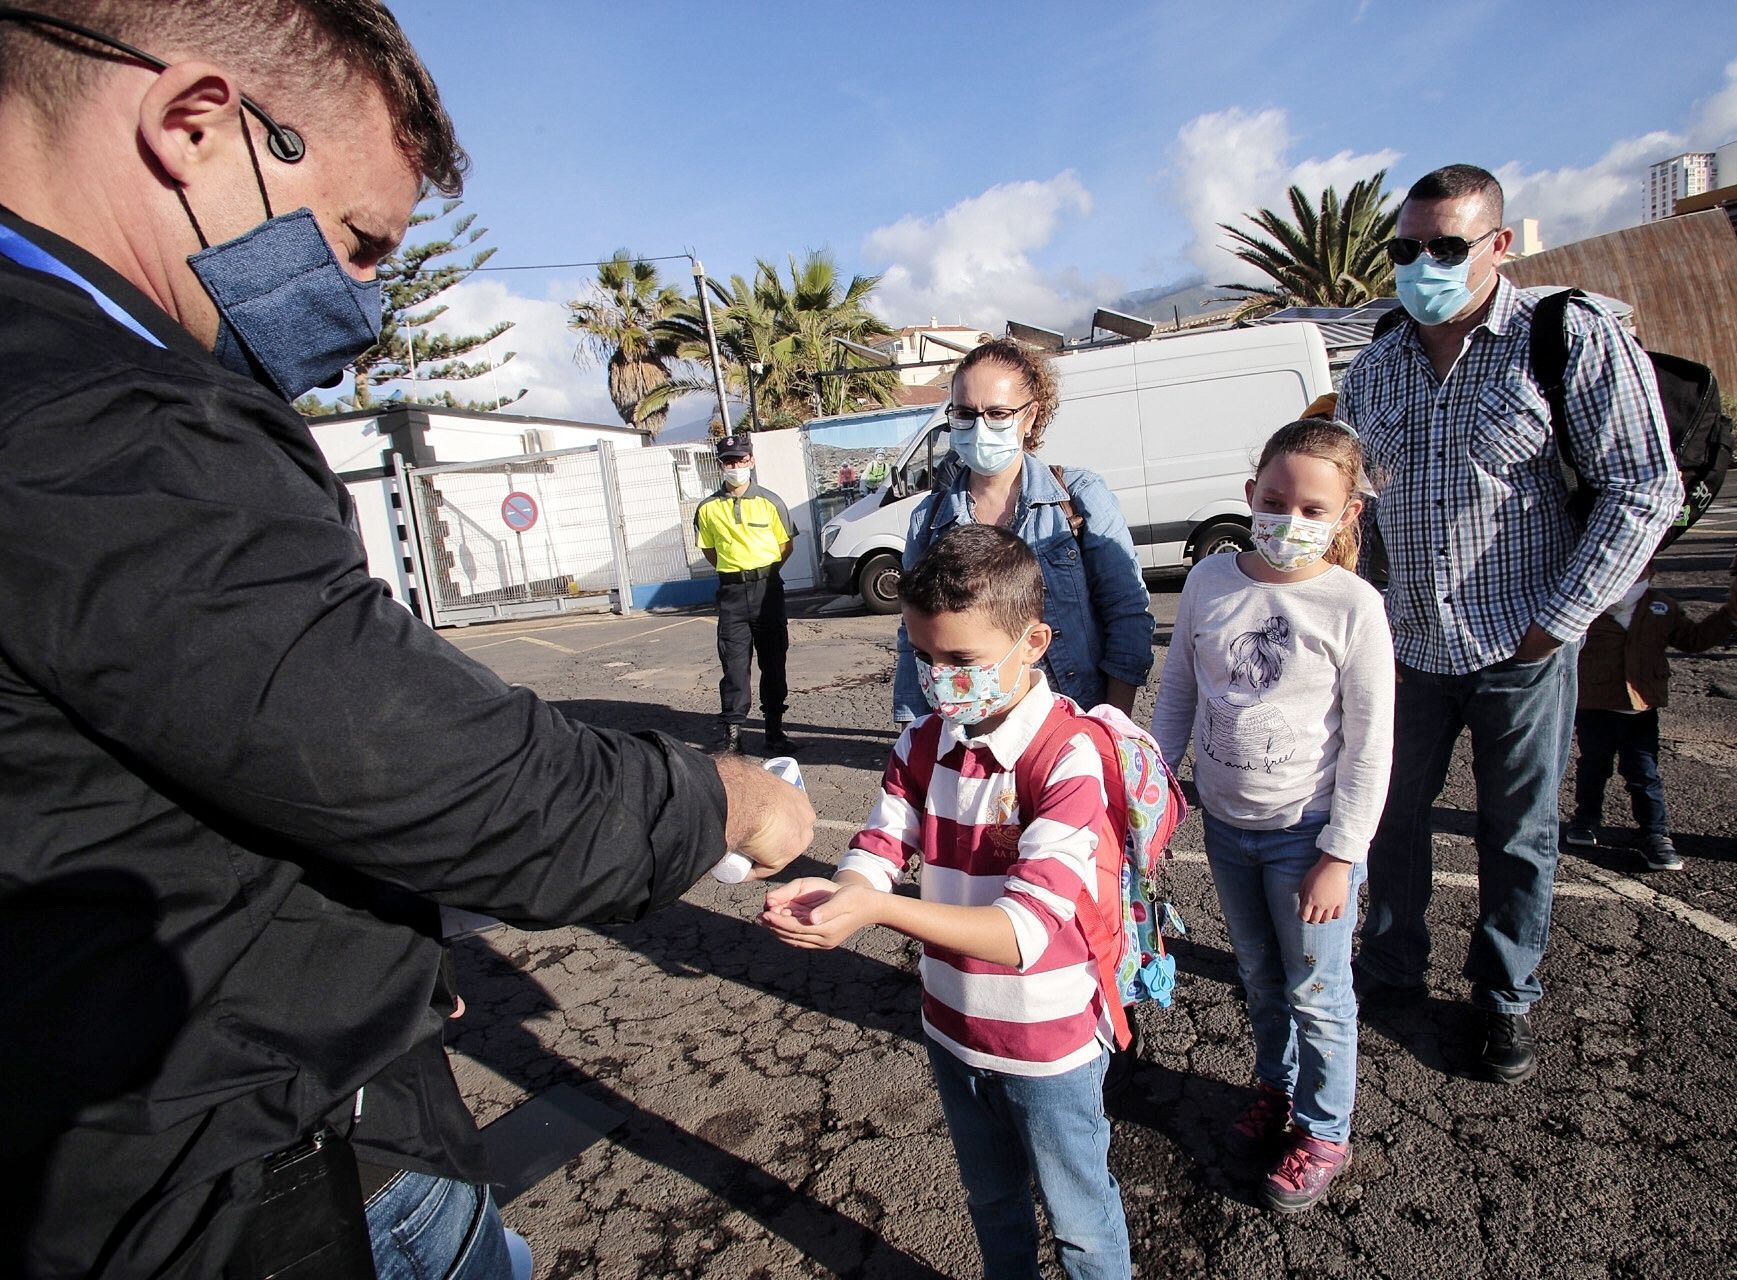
column 552, row 532
column 660, row 489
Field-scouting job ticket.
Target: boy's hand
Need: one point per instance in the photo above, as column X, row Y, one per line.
column 1326, row 886
column 820, row 914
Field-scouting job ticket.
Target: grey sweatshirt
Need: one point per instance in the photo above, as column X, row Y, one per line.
column 1287, row 691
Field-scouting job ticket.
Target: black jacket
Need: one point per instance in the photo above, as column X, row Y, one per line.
column 234, row 777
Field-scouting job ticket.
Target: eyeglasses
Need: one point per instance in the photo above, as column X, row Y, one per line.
column 1449, row 251
column 996, row 416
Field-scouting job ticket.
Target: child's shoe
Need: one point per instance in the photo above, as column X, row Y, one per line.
column 1660, row 854
column 1263, row 1122
column 1581, row 835
column 1304, row 1172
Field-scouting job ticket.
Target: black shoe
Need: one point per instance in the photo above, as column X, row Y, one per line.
column 731, row 739
column 1510, row 1050
column 777, row 744
column 1376, row 995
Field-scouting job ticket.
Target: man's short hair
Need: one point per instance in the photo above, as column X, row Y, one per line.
column 1455, row 180
column 283, row 51
column 978, row 566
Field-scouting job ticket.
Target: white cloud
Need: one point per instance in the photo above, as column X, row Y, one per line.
column 1713, row 122
column 556, row 387
column 1572, row 202
column 1226, row 164
column 971, row 264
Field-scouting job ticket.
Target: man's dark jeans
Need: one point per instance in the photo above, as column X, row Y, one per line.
column 1629, row 740
column 1521, row 717
column 751, row 619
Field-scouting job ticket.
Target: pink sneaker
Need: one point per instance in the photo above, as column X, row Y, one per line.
column 1263, row 1122
column 1303, row 1173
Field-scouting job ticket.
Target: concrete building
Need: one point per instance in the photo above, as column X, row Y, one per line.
column 916, row 344
column 1671, row 180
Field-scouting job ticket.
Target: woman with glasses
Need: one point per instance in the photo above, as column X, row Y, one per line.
column 1095, row 600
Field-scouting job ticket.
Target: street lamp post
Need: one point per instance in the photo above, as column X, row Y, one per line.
column 712, row 342
column 755, row 369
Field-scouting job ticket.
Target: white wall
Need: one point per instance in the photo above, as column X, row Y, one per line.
column 780, row 467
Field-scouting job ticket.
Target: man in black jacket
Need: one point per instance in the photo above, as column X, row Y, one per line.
column 234, row 776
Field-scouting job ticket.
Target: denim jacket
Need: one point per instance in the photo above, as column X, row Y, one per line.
column 1095, row 600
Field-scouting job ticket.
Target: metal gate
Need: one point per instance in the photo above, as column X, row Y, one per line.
column 545, row 533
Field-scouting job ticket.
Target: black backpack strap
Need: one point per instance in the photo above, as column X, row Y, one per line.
column 1550, row 370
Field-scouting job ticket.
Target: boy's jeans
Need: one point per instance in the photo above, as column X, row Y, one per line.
column 1629, row 740
column 1521, row 715
column 1298, row 976
column 1007, row 1130
column 422, row 1226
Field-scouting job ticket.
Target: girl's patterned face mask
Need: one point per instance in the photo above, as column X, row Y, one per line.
column 968, row 695
column 1288, row 542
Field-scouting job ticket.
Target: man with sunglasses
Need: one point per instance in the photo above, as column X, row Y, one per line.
column 235, row 777
column 1493, row 583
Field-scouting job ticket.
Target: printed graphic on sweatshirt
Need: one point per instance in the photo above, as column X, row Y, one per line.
column 1242, row 730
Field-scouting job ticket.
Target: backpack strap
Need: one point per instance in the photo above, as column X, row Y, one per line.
column 1549, row 350
column 1076, row 521
column 1100, row 919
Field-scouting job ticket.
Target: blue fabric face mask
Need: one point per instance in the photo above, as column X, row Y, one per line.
column 1431, row 293
column 988, row 450
column 288, row 313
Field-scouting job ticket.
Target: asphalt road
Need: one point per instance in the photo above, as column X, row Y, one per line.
column 777, row 1119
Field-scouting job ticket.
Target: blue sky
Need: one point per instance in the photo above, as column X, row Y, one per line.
column 1023, row 159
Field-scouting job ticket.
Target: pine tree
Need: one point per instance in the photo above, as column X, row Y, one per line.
column 411, row 279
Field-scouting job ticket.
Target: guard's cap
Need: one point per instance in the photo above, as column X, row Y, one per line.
column 735, row 448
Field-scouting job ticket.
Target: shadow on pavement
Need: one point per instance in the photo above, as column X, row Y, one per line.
column 1444, row 1036
column 819, row 744
column 834, row 1240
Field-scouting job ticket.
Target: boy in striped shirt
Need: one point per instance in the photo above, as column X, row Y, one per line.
column 1015, row 1023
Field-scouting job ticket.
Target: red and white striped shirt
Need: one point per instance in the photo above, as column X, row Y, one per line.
column 953, row 799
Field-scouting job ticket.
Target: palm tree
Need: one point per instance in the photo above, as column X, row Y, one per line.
column 617, row 325
column 1330, row 256
column 787, row 327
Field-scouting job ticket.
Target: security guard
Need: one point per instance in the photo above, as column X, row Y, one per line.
column 745, row 532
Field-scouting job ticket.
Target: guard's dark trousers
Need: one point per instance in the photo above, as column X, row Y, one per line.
column 751, row 617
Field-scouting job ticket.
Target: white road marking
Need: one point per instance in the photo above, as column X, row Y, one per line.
column 550, row 644
column 1606, row 887
column 1622, row 887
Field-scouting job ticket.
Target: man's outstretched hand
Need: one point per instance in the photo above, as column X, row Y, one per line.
column 768, row 821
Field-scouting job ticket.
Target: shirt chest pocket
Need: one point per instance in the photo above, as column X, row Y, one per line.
column 1511, row 426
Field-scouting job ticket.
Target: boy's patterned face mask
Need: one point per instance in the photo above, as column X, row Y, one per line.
column 968, row 695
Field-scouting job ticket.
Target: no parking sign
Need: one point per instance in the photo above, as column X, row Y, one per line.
column 519, row 511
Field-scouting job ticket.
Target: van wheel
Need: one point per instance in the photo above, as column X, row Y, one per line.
column 878, row 582
column 1221, row 537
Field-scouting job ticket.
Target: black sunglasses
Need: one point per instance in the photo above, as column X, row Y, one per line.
column 1449, row 251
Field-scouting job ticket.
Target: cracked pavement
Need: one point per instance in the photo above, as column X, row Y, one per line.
column 779, row 1120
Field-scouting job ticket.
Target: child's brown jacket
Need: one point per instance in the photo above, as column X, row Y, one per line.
column 1626, row 670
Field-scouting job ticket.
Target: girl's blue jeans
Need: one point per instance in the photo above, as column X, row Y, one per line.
column 1298, row 976
column 1009, row 1130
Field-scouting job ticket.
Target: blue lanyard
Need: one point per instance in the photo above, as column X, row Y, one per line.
column 26, row 254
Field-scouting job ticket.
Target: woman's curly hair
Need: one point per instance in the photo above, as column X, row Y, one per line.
column 1034, row 369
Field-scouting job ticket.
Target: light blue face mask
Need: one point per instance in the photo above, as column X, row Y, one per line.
column 288, row 314
column 988, row 450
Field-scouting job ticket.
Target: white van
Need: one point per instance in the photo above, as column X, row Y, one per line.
column 1173, row 425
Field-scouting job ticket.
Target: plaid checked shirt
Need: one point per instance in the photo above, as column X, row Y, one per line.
column 1470, row 492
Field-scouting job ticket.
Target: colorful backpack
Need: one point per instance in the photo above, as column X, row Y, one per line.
column 1125, row 926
